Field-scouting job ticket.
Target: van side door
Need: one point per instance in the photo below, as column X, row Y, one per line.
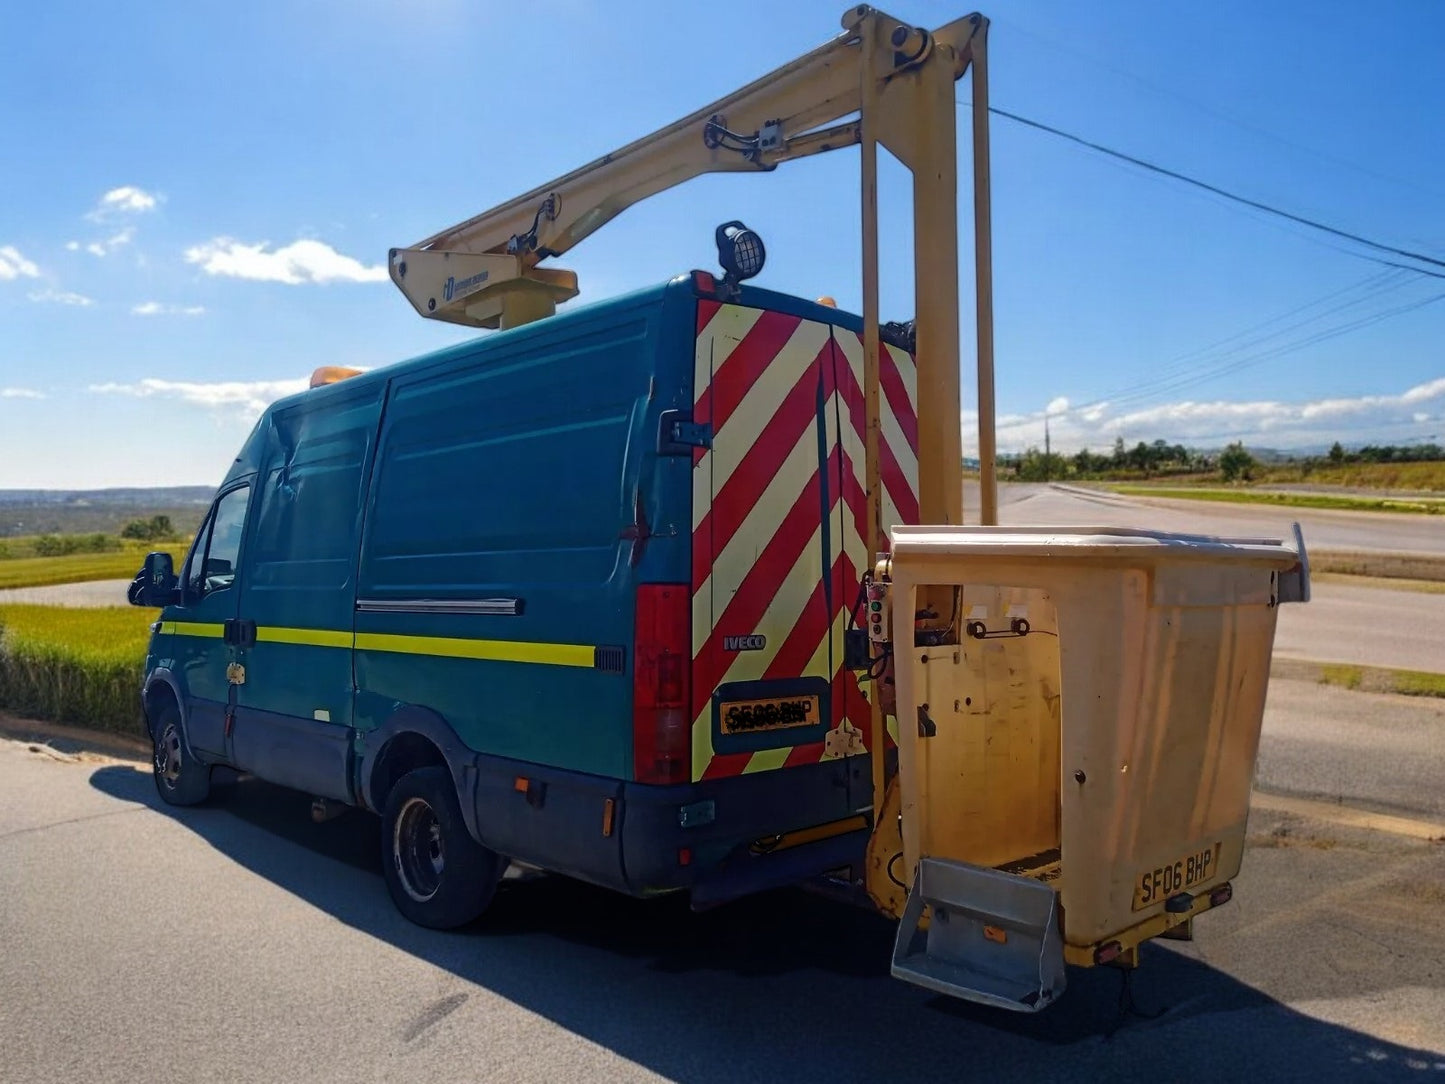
column 297, row 596
column 204, row 623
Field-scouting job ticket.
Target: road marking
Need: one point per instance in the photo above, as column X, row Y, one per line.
column 1349, row 816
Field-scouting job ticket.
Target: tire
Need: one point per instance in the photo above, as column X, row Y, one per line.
column 438, row 875
column 180, row 778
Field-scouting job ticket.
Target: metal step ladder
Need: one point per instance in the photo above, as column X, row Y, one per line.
column 992, row 937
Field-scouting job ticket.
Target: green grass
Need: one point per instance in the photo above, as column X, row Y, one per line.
column 77, row 666
column 1342, row 674
column 81, row 567
column 1418, row 683
column 1426, row 506
column 1380, row 679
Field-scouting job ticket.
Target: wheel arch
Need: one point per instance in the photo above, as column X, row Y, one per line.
column 159, row 684
column 414, row 737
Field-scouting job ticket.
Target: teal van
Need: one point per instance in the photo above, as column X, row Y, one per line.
column 572, row 596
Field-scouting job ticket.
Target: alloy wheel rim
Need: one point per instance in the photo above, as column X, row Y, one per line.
column 417, row 851
column 168, row 756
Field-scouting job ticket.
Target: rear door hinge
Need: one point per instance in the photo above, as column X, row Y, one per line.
column 678, row 434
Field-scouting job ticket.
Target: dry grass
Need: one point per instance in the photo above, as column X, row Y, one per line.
column 1422, row 477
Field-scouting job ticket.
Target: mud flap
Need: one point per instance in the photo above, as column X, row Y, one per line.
column 992, row 937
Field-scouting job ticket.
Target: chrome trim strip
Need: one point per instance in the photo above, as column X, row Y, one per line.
column 493, row 607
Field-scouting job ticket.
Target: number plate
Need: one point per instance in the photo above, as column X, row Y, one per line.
column 774, row 713
column 1158, row 884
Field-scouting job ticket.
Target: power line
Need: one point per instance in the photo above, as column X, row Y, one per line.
column 1092, row 58
column 1224, row 358
column 1185, row 381
column 1226, row 194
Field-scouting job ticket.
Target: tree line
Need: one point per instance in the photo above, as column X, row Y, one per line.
column 1234, row 463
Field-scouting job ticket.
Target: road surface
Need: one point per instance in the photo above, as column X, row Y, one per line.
column 1027, row 504
column 241, row 942
column 1369, row 625
column 1372, row 750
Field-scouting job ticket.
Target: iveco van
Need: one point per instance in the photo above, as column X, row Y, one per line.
column 572, row 595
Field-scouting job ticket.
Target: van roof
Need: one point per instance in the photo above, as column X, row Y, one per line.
column 750, row 296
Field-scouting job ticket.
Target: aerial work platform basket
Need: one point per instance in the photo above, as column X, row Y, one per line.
column 1076, row 757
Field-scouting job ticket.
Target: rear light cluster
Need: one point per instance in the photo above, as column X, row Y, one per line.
column 662, row 685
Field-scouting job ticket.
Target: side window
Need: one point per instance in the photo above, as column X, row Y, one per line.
column 212, row 565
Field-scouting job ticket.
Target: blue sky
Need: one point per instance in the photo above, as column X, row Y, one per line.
column 197, row 199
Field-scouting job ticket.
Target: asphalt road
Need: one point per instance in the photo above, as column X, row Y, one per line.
column 1026, row 504
column 242, row 942
column 1369, row 625
column 1369, row 750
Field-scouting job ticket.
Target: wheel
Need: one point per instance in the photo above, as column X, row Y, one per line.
column 438, row 875
column 181, row 779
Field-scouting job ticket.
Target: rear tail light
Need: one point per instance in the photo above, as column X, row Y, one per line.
column 1221, row 895
column 662, row 685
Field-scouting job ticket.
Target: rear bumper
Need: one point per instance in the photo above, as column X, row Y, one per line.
column 698, row 836
column 717, row 839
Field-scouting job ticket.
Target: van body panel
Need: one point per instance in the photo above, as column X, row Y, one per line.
column 518, row 484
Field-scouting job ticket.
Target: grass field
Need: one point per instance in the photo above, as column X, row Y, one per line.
column 1342, row 502
column 82, row 567
column 78, row 666
column 1424, row 477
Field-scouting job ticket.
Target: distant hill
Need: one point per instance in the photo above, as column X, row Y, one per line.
column 74, row 511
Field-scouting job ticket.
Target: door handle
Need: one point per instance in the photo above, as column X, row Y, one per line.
column 238, row 632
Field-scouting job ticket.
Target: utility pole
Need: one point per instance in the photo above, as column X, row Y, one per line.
column 1048, row 454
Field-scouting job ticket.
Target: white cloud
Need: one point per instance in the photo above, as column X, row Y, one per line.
column 248, row 397
column 21, row 393
column 60, row 297
column 14, row 266
column 1265, row 422
column 127, row 199
column 111, row 243
column 72, row 246
column 155, row 308
column 296, row 263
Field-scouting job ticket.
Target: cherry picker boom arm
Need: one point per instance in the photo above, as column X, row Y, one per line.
column 899, row 81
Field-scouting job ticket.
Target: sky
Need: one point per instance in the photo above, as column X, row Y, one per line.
column 197, row 200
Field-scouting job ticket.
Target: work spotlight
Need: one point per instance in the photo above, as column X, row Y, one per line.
column 740, row 251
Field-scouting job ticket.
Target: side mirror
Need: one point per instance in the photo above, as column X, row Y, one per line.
column 155, row 584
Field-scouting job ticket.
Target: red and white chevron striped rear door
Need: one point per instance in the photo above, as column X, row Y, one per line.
column 778, row 517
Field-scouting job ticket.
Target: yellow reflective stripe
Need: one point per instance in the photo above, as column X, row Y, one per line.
column 582, row 655
column 308, row 637
column 767, row 760
column 192, row 628
column 494, row 650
